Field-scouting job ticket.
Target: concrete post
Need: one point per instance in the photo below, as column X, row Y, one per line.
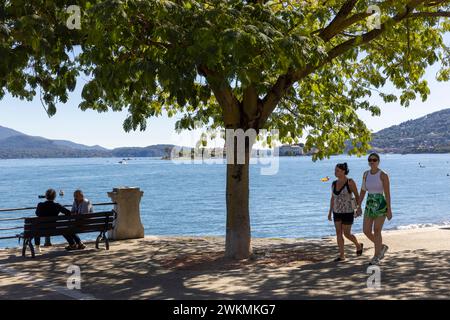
column 128, row 223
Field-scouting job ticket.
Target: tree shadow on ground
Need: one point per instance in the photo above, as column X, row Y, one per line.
column 196, row 269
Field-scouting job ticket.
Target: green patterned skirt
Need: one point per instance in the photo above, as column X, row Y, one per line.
column 376, row 206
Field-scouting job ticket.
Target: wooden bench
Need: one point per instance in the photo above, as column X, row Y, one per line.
column 67, row 225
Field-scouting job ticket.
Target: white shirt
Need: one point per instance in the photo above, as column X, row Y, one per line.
column 373, row 183
column 83, row 207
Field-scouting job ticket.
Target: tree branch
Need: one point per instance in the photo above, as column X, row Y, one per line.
column 224, row 95
column 437, row 14
column 345, row 23
column 329, row 32
column 251, row 105
column 285, row 81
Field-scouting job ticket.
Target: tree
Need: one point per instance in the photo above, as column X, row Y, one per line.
column 302, row 67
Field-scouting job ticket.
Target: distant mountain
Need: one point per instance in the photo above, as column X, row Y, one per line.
column 16, row 145
column 23, row 146
column 6, row 133
column 429, row 134
column 73, row 145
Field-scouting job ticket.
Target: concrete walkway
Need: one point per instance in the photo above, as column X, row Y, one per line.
column 416, row 266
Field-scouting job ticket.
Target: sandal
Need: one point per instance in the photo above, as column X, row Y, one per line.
column 359, row 252
column 81, row 246
column 71, row 247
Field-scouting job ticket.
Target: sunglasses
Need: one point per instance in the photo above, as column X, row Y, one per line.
column 373, row 160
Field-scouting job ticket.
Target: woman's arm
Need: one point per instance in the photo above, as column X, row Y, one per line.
column 387, row 193
column 91, row 208
column 331, row 207
column 63, row 210
column 38, row 210
column 354, row 190
column 362, row 195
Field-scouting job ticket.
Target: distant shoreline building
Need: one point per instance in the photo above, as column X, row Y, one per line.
column 293, row 150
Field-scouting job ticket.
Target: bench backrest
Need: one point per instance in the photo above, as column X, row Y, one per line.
column 66, row 225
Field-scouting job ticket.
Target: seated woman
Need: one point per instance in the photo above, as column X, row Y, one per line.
column 81, row 205
column 50, row 208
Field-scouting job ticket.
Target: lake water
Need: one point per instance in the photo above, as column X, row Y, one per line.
column 182, row 199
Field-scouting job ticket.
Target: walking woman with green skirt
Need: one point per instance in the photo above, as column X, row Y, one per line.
column 378, row 206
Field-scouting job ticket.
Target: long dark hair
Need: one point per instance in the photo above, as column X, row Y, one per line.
column 343, row 167
column 376, row 155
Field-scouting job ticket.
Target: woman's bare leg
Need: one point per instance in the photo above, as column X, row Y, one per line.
column 377, row 228
column 347, row 229
column 368, row 228
column 340, row 239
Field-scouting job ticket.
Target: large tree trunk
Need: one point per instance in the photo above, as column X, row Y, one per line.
column 238, row 237
column 236, row 115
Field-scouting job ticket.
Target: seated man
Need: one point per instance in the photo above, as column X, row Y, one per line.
column 81, row 205
column 50, row 208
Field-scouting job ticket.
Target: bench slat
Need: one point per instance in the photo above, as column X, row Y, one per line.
column 67, row 223
column 34, row 220
column 66, row 231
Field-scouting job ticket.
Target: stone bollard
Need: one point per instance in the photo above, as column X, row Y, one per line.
column 128, row 223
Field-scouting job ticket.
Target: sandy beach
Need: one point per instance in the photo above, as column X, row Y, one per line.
column 417, row 266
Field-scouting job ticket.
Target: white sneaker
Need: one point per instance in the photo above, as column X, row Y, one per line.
column 375, row 261
column 384, row 249
column 37, row 249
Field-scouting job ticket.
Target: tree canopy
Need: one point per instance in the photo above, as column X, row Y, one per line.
column 302, row 67
column 305, row 67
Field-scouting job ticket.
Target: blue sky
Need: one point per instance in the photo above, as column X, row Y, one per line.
column 91, row 128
